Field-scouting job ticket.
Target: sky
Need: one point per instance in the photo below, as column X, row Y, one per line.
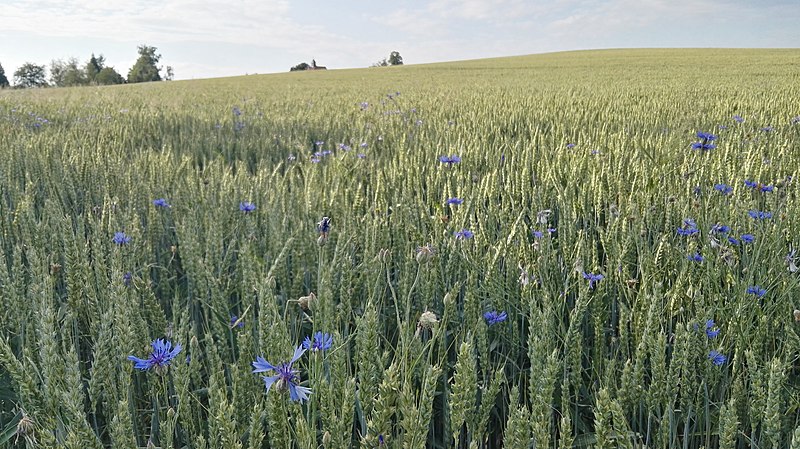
column 214, row 38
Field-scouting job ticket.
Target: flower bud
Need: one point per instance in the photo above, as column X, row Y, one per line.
column 425, row 253
column 448, row 299
column 326, row 438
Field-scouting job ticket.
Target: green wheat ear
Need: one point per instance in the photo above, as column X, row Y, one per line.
column 517, row 431
column 463, row 393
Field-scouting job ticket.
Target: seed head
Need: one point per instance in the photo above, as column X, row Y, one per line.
column 428, row 320
column 25, row 426
column 307, row 302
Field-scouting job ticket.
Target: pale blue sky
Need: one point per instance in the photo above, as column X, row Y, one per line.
column 210, row 38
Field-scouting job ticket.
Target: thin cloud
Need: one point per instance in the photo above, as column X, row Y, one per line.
column 271, row 35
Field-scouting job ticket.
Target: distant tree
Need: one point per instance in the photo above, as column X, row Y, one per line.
column 300, row 67
column 67, row 73
column 93, row 66
column 3, row 79
column 170, row 74
column 30, row 75
column 145, row 69
column 108, row 76
column 395, row 58
column 381, row 63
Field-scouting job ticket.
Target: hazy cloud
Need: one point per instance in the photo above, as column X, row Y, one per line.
column 270, row 35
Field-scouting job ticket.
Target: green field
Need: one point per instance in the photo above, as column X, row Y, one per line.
column 572, row 165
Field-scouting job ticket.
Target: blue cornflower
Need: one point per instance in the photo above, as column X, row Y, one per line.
column 758, row 186
column 703, row 146
column 697, row 257
column 120, row 238
column 449, row 160
column 733, row 241
column 738, row 118
column 364, row 105
column 247, row 207
column 706, row 136
column 720, row 229
column 711, row 330
column 361, row 156
column 464, row 234
column 285, row 376
column 163, row 352
column 321, row 342
column 704, row 143
column 455, row 201
column 789, row 259
column 759, row 215
column 593, row 278
column 127, row 278
column 756, row 290
column 748, row 238
column 570, row 146
column 723, row 188
column 324, row 226
column 537, row 234
column 687, row 231
column 236, row 111
column 717, row 358
column 767, row 128
column 364, row 144
column 344, row 147
column 236, row 322
column 161, row 202
column 495, row 317
column 319, row 143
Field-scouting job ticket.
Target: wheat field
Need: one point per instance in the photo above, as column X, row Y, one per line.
column 571, row 250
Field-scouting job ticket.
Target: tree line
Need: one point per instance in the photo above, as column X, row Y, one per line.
column 70, row 72
column 394, row 59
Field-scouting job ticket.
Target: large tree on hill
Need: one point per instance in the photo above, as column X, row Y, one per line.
column 395, row 58
column 3, row 79
column 30, row 75
column 145, row 68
